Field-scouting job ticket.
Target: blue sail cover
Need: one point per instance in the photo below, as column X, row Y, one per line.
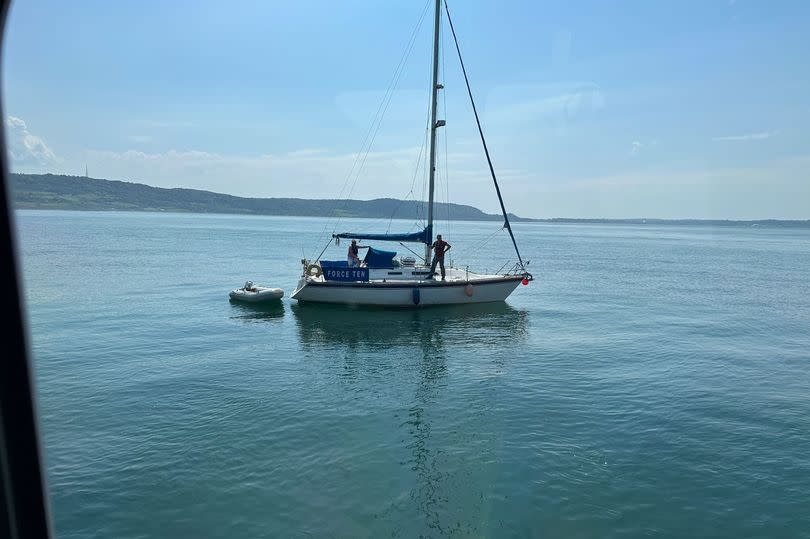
column 376, row 258
column 425, row 236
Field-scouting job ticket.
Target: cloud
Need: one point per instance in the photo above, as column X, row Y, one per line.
column 564, row 106
column 777, row 189
column 750, row 136
column 165, row 123
column 637, row 146
column 24, row 147
column 774, row 189
column 555, row 105
column 309, row 173
column 318, row 172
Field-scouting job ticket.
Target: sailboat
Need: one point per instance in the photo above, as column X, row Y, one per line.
column 387, row 280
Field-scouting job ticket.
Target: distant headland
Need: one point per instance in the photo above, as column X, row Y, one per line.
column 60, row 192
column 57, row 192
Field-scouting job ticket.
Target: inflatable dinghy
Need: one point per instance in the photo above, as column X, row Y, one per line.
column 254, row 294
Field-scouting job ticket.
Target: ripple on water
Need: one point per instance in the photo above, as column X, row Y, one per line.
column 651, row 381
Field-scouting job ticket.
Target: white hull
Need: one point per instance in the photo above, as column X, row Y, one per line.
column 257, row 294
column 407, row 294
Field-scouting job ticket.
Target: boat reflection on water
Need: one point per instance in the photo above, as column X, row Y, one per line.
column 257, row 311
column 413, row 347
column 325, row 326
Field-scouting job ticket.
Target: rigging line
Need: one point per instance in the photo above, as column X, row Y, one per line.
column 425, row 174
column 325, row 247
column 483, row 141
column 377, row 119
column 420, row 208
column 480, row 245
column 418, row 256
column 387, row 102
column 446, row 167
column 391, row 85
column 447, row 182
column 413, row 182
column 415, row 174
column 368, row 148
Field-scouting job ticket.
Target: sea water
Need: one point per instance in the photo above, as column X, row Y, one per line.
column 651, row 381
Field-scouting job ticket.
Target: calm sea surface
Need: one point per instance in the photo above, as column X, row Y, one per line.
column 652, row 381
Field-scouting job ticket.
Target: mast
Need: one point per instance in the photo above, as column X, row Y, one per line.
column 433, row 125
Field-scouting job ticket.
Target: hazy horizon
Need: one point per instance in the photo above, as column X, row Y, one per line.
column 689, row 111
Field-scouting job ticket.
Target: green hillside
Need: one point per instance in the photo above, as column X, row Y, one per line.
column 49, row 191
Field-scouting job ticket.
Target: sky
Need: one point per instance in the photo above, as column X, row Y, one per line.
column 664, row 109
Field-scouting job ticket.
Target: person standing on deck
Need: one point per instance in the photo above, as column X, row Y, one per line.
column 439, row 248
column 354, row 254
